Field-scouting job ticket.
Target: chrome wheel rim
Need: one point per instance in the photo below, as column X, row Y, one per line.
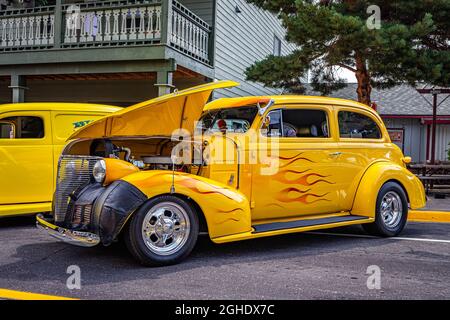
column 391, row 209
column 166, row 228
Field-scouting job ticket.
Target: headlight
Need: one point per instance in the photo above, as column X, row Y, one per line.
column 99, row 171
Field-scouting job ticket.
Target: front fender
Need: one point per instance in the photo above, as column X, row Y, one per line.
column 226, row 210
column 373, row 179
column 113, row 208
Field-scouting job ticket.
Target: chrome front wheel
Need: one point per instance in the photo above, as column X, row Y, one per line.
column 166, row 228
column 163, row 231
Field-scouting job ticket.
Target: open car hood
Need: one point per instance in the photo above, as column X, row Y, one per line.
column 155, row 117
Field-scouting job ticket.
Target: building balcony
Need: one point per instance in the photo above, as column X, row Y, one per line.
column 106, row 31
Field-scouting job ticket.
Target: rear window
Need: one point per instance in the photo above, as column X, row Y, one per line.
column 357, row 126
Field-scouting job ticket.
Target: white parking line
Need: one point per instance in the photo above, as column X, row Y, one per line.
column 367, row 236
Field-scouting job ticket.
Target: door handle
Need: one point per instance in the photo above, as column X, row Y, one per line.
column 335, row 154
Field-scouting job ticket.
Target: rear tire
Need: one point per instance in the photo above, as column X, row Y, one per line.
column 391, row 211
column 163, row 231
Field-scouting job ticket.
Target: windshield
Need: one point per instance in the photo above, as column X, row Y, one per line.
column 228, row 120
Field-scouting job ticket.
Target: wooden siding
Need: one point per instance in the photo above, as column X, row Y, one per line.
column 442, row 141
column 241, row 39
column 414, row 136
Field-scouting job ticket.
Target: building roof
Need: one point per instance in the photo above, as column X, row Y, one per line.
column 399, row 100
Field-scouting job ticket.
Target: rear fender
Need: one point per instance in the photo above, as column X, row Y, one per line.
column 373, row 179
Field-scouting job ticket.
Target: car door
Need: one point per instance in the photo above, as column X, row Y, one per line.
column 26, row 160
column 299, row 177
column 361, row 142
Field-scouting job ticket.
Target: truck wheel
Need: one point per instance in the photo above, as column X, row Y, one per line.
column 391, row 211
column 162, row 232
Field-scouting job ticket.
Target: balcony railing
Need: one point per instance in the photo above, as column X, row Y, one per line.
column 26, row 29
column 189, row 33
column 106, row 23
column 110, row 23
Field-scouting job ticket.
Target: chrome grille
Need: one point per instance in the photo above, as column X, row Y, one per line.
column 82, row 214
column 74, row 172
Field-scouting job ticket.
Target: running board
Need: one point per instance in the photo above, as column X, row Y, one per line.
column 304, row 223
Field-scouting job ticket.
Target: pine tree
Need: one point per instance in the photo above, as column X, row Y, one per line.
column 409, row 44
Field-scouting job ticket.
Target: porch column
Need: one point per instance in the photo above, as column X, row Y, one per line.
column 164, row 82
column 58, row 24
column 18, row 86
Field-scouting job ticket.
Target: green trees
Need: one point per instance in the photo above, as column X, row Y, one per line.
column 448, row 152
column 409, row 44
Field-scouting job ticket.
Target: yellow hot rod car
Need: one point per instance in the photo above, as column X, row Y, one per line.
column 164, row 170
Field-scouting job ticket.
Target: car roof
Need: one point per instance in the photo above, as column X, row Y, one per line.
column 284, row 99
column 59, row 106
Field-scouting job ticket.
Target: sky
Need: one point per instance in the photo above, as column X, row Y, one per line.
column 347, row 75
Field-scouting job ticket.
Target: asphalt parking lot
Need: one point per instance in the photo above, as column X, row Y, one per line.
column 325, row 265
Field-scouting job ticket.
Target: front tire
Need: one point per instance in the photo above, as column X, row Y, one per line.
column 163, row 231
column 391, row 211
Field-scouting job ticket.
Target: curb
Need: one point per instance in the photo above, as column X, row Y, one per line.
column 20, row 295
column 429, row 216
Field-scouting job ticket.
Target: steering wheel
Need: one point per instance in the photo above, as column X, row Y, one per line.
column 287, row 127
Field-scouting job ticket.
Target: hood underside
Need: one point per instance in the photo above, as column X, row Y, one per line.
column 156, row 117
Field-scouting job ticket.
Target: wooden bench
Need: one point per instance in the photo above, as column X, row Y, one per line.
column 434, row 177
column 429, row 181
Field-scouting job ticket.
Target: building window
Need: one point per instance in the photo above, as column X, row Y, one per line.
column 277, row 46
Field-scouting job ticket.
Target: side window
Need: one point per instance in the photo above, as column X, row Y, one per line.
column 271, row 126
column 358, row 126
column 7, row 130
column 27, row 127
column 305, row 123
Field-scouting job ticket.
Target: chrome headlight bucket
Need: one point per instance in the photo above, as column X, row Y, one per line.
column 99, row 171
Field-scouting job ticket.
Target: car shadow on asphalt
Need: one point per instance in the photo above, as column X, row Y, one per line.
column 17, row 222
column 48, row 260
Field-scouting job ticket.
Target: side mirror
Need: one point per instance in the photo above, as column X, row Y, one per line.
column 7, row 130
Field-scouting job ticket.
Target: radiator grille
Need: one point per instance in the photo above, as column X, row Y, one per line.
column 74, row 172
column 82, row 214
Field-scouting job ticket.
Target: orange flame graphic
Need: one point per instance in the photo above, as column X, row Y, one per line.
column 290, row 158
column 231, row 211
column 283, row 196
column 302, row 180
column 196, row 185
column 232, row 215
column 295, row 160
